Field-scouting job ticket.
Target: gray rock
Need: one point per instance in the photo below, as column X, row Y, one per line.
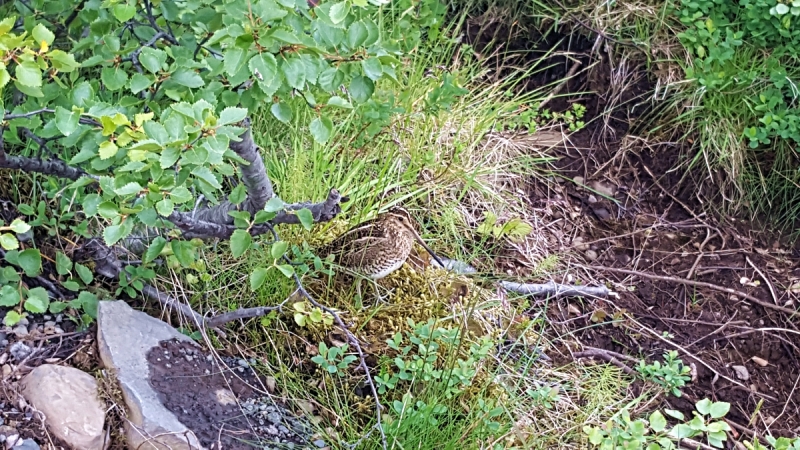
column 68, row 399
column 319, row 443
column 20, row 330
column 19, row 350
column 28, row 444
column 124, row 336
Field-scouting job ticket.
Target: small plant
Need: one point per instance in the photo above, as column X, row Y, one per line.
column 514, row 230
column 672, row 375
column 544, row 396
column 652, row 434
column 305, row 315
column 334, row 359
column 9, row 241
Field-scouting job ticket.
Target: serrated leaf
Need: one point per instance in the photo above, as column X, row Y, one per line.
column 231, row 115
column 114, row 233
column 281, row 111
column 361, row 88
column 188, row 78
column 28, row 74
column 5, row 77
column 107, row 150
column 180, row 195
column 129, row 189
column 41, row 34
column 238, row 194
column 154, row 249
column 357, row 34
column 278, row 249
column 157, row 132
column 240, row 242
column 8, row 241
column 183, row 251
column 9, row 296
column 657, row 422
column 339, row 102
column 264, row 67
column 63, row 62
column 258, row 277
column 152, row 59
column 124, row 12
column 37, row 301
column 321, row 129
column 84, row 273
column 339, row 11
column 140, row 82
column 295, row 72
column 718, row 410
column 113, row 78
column 263, row 216
column 12, row 318
column 71, row 285
column 31, row 262
column 63, row 264
column 204, row 173
column 274, row 204
column 165, row 207
column 233, row 60
column 19, row 226
column 372, row 68
column 66, row 121
column 286, row 269
column 306, row 218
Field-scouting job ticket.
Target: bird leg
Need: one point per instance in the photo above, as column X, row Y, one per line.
column 378, row 298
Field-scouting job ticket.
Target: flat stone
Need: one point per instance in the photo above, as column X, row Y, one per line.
column 741, row 372
column 68, row 399
column 124, row 336
column 29, row 444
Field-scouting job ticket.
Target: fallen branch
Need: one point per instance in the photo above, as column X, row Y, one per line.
column 606, row 356
column 715, row 287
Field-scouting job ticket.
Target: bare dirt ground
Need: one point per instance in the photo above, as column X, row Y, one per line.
column 642, row 223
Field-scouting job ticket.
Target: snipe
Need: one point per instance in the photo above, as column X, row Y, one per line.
column 377, row 247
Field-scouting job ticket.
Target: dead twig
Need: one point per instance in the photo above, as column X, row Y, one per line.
column 766, row 280
column 607, row 356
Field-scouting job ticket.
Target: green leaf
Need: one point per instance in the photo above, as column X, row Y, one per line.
column 257, row 277
column 31, row 262
column 165, row 207
column 233, row 60
column 84, row 273
column 157, row 132
column 5, row 77
column 41, row 33
column 107, row 150
column 113, row 78
column 188, row 78
column 281, row 111
column 12, row 318
column 37, row 301
column 183, row 251
column 278, row 249
column 28, row 74
column 657, row 422
column 8, row 241
column 124, row 12
column 321, row 129
column 204, row 173
column 274, row 204
column 129, row 189
column 9, row 296
column 231, row 115
column 154, row 249
column 339, row 11
column 152, row 59
column 357, row 34
column 361, row 88
column 306, row 218
column 240, row 242
column 63, row 263
column 286, row 269
column 238, row 194
column 63, row 62
column 140, row 82
column 295, row 72
column 372, row 68
column 66, row 120
column 339, row 102
column 19, row 226
column 704, row 406
column 264, row 68
column 718, row 410
column 71, row 285
column 114, row 233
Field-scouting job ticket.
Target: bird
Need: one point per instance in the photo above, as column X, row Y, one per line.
column 377, row 247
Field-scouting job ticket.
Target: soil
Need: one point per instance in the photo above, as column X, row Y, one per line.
column 226, row 405
column 660, row 223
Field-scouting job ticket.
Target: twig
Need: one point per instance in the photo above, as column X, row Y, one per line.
column 766, row 280
column 715, row 287
column 605, row 355
column 554, row 289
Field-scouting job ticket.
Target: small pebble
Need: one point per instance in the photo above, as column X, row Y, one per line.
column 27, row 444
column 741, row 372
column 188, row 358
column 591, row 255
column 319, row 443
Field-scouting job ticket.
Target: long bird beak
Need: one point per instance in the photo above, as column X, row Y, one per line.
column 428, row 249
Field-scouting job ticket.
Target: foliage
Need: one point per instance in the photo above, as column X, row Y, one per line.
column 141, row 105
column 307, row 315
column 420, row 359
column 514, row 229
column 652, row 434
column 672, row 375
column 531, row 117
column 334, row 360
